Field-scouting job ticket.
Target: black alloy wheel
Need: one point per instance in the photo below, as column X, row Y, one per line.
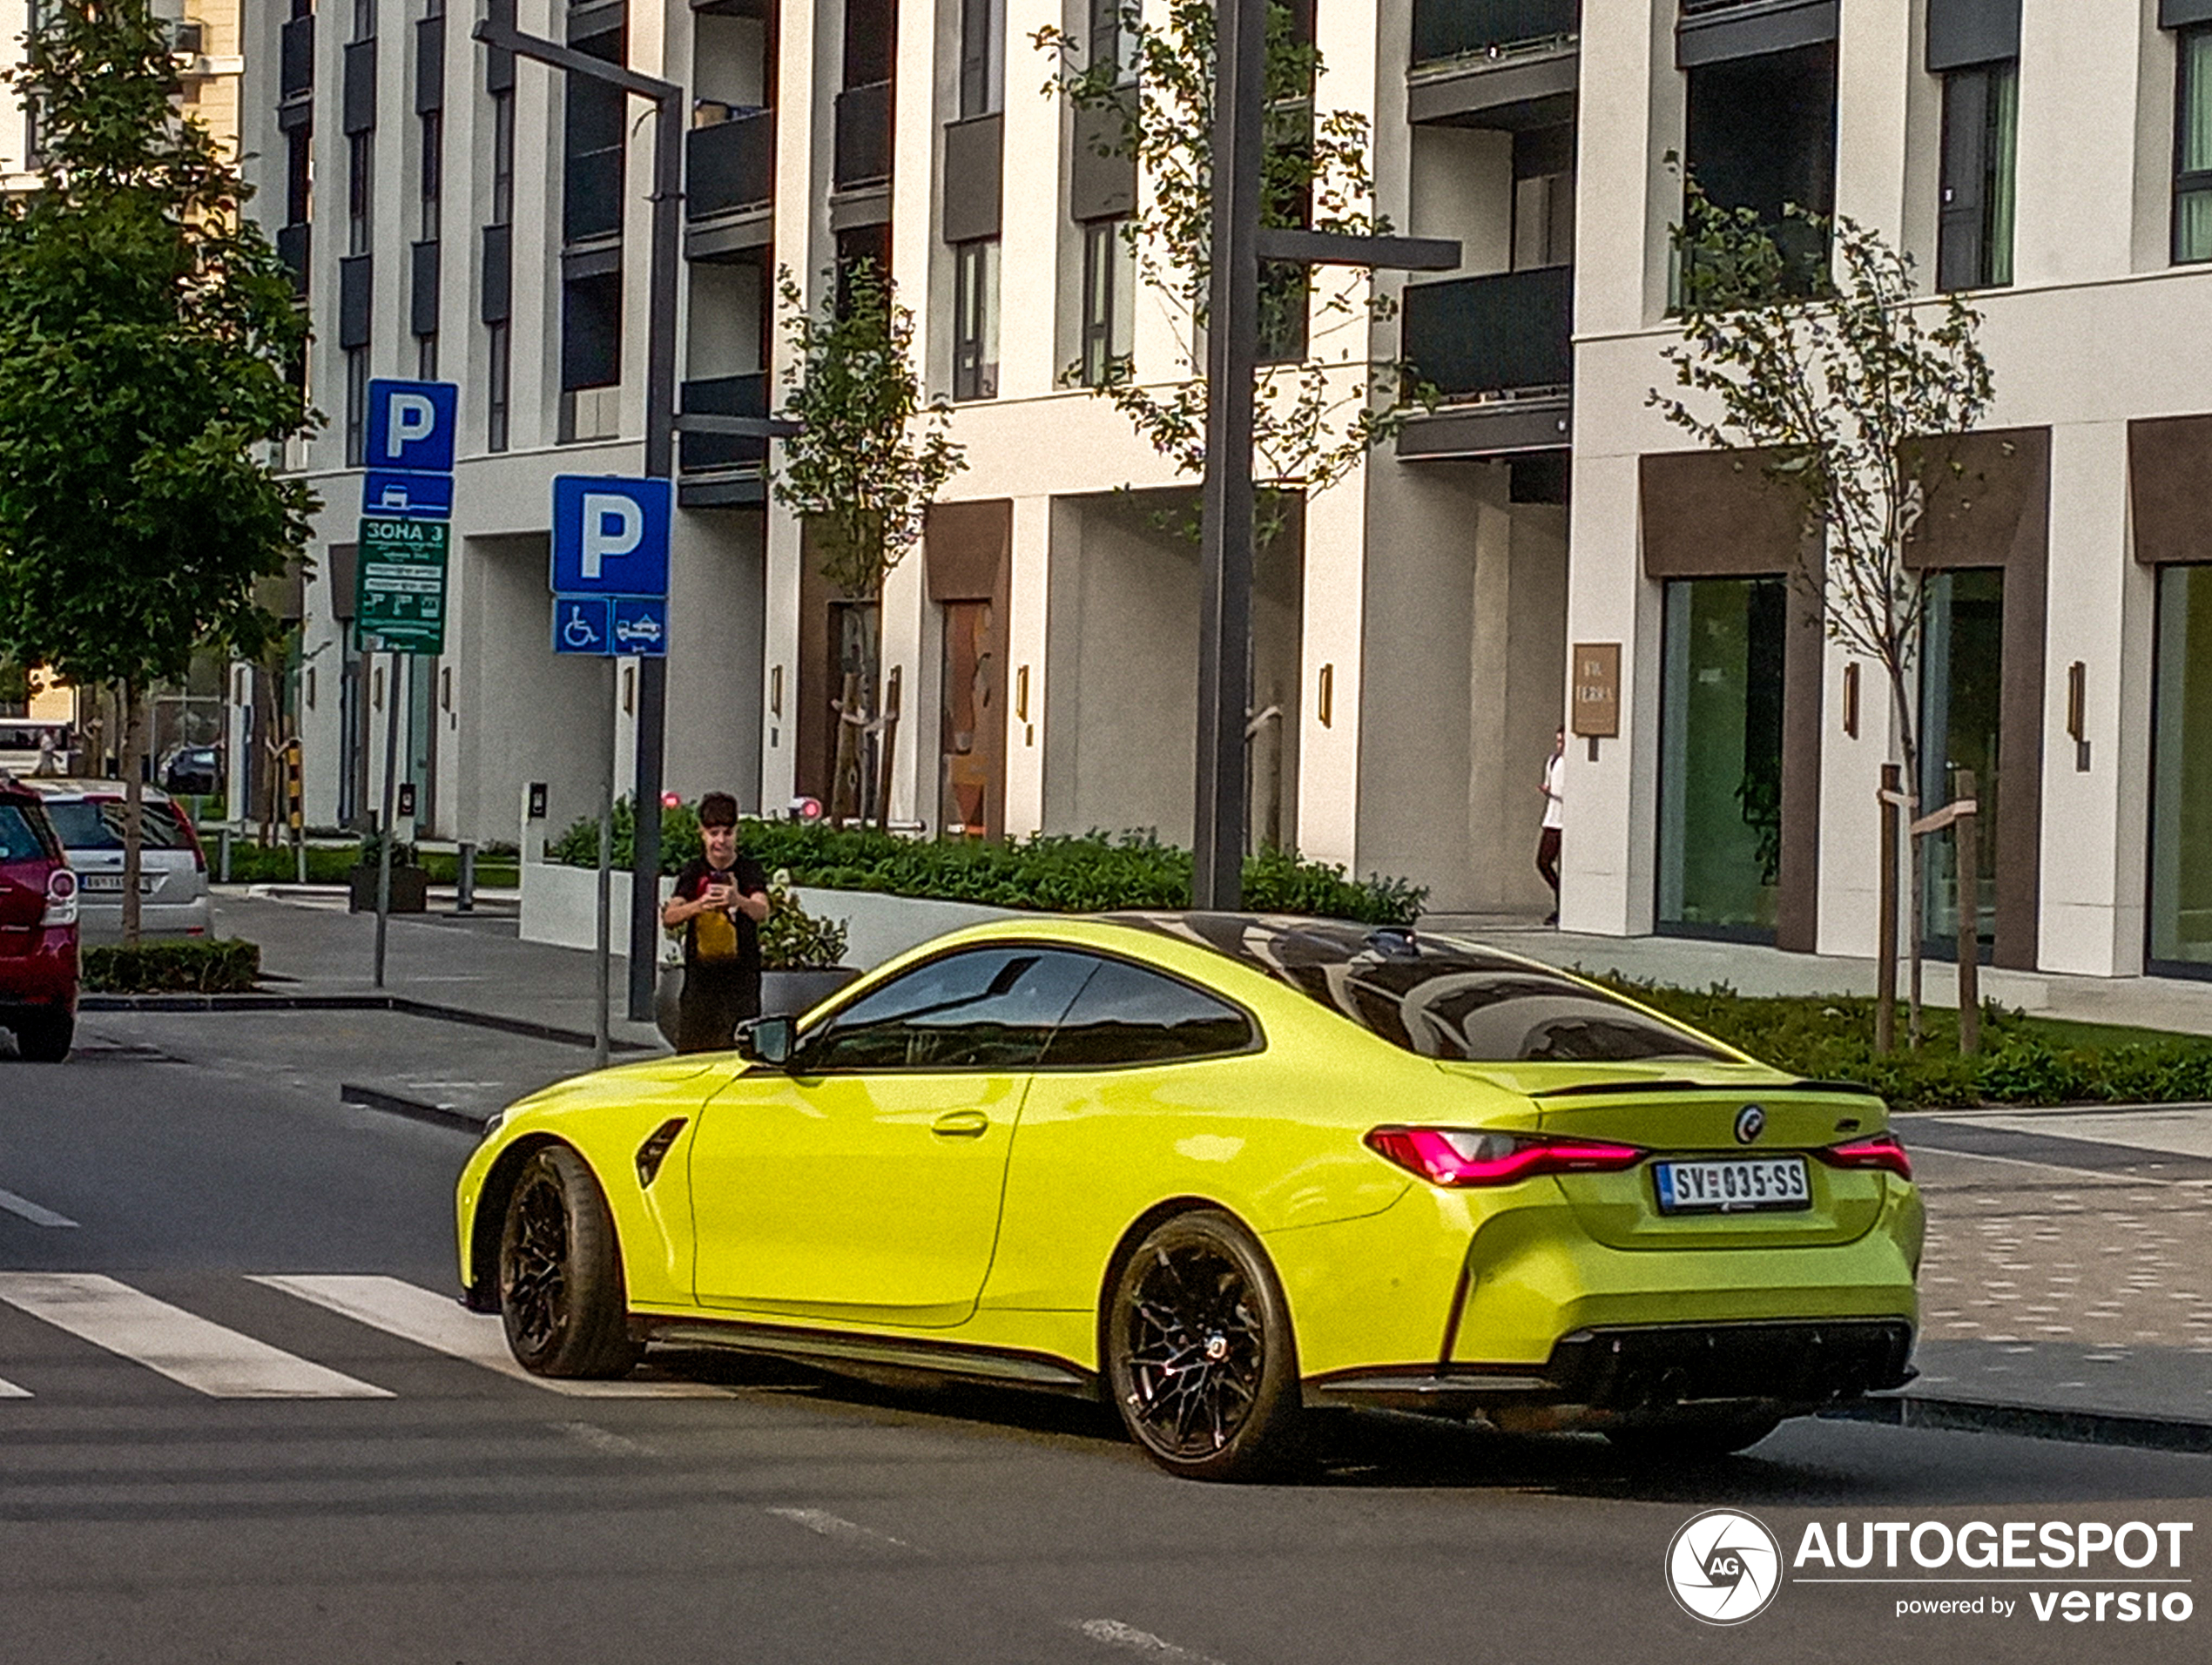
column 1200, row 1359
column 560, row 1272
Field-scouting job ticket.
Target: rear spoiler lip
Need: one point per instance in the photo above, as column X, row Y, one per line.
column 1600, row 1088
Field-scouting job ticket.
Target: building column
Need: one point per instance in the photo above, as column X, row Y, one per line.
column 1331, row 618
column 1028, row 611
column 2096, row 793
column 1607, row 847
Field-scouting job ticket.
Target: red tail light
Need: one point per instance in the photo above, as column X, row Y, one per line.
column 192, row 835
column 61, row 898
column 1461, row 1156
column 1882, row 1152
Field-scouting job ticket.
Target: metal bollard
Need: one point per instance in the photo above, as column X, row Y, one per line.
column 223, row 856
column 465, row 902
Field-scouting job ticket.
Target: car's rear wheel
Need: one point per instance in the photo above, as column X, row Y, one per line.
column 560, row 1272
column 1199, row 1354
column 45, row 1037
column 1695, row 1439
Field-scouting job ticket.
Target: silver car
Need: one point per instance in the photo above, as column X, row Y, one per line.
column 172, row 872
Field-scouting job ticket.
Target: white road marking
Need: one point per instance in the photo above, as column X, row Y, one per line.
column 599, row 1438
column 830, row 1525
column 442, row 1324
column 10, row 1391
column 187, row 1348
column 1113, row 1633
column 31, row 1211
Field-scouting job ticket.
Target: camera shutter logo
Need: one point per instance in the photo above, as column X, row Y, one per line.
column 1750, row 1122
column 1723, row 1567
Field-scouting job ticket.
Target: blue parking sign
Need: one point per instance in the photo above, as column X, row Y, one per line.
column 411, row 426
column 641, row 626
column 610, row 535
column 580, row 625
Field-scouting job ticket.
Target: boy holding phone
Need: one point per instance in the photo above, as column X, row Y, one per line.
column 721, row 900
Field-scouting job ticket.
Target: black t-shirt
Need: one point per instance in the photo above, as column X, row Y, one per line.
column 711, row 949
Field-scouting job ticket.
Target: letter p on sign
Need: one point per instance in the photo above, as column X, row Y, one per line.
column 613, row 526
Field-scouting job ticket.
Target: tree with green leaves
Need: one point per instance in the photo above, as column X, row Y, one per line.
column 868, row 456
column 147, row 326
column 1856, row 390
column 1322, row 402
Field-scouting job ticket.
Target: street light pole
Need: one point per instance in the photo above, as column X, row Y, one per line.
column 1238, row 244
column 498, row 32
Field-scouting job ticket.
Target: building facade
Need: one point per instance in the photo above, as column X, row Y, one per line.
column 450, row 212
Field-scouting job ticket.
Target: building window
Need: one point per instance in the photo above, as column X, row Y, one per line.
column 1760, row 133
column 433, row 175
column 503, row 158
column 425, row 356
column 364, row 19
column 495, row 373
column 359, row 148
column 299, row 190
column 982, row 57
column 1543, row 197
column 975, row 320
column 1980, row 125
column 2181, row 840
column 1110, row 38
column 356, row 402
column 2193, row 148
column 1108, row 262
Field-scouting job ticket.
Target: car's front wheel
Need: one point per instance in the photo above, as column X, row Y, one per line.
column 45, row 1037
column 560, row 1272
column 1199, row 1354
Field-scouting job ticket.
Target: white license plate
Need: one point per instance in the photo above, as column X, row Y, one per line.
column 113, row 881
column 1733, row 1186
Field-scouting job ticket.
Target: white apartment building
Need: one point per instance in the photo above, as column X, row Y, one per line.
column 456, row 215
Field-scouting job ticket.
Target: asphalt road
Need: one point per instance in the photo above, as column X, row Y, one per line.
column 408, row 1501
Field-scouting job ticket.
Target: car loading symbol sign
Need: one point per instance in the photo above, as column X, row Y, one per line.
column 400, row 584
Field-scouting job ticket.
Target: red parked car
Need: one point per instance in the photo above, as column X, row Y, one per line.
column 37, row 929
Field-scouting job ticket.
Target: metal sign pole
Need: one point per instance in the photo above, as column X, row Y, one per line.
column 391, row 809
column 600, row 1042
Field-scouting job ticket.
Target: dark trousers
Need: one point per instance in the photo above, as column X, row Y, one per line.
column 714, row 1003
column 1547, row 859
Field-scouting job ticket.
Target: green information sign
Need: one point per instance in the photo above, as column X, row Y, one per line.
column 400, row 584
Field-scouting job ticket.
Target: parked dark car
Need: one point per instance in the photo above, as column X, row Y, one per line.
column 37, row 929
column 192, row 771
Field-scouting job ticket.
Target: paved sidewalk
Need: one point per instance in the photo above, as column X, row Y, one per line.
column 1750, row 968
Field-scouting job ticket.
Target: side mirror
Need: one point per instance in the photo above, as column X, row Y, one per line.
column 766, row 1039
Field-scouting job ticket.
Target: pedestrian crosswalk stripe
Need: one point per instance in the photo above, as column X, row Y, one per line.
column 10, row 1391
column 187, row 1348
column 442, row 1324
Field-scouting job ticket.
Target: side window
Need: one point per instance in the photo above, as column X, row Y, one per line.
column 1126, row 1014
column 989, row 1008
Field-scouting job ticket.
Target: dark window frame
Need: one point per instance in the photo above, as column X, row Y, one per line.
column 975, row 284
column 1975, row 200
column 360, row 190
column 498, row 374
column 2188, row 183
column 356, row 403
column 982, row 57
column 1098, row 314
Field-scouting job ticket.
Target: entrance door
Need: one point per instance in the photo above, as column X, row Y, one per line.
column 864, row 1181
column 1962, row 688
column 1720, row 783
column 967, row 753
column 2181, row 845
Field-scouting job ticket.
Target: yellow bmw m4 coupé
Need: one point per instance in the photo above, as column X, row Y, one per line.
column 1220, row 1169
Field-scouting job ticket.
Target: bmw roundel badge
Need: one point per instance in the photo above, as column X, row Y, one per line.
column 1750, row 1122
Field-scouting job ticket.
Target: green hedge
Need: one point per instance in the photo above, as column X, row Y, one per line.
column 229, row 966
column 1093, row 874
column 2023, row 1060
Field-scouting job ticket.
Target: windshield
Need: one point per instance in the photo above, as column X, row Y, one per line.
column 1440, row 997
column 96, row 823
column 19, row 838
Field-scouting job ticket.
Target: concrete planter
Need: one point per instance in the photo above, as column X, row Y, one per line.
column 410, row 890
column 560, row 905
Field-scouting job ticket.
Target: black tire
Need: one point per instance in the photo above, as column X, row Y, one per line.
column 1695, row 1440
column 560, row 1272
column 45, row 1037
column 1200, row 1359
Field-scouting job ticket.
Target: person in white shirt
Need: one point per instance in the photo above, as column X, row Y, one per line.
column 1547, row 841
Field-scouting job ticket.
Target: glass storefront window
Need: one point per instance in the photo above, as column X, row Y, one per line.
column 1962, row 691
column 1720, row 784
column 2181, row 845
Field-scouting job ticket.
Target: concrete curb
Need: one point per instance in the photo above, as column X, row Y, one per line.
column 2030, row 1422
column 416, row 1109
column 400, row 1003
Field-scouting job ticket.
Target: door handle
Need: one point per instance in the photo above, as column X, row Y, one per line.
column 962, row 1124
